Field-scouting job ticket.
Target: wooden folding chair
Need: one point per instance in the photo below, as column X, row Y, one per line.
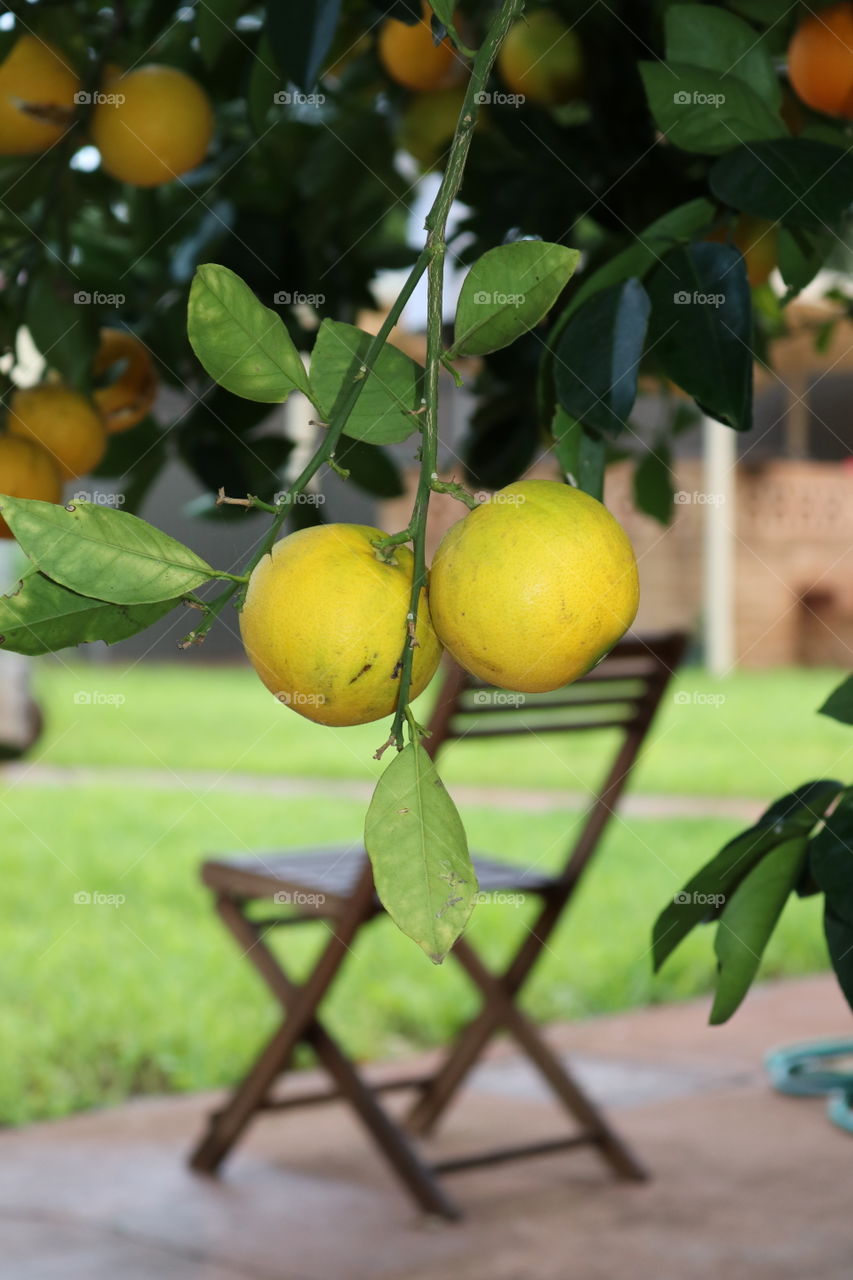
column 336, row 885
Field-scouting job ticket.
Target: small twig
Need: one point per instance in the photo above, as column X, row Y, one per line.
column 455, row 490
column 249, row 501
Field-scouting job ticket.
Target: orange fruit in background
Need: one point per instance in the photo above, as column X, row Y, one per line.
column 820, row 60
column 541, row 58
column 37, row 76
column 413, row 59
column 159, row 126
column 324, row 624
column 531, row 589
column 757, row 240
column 27, row 471
column 125, row 401
column 64, row 423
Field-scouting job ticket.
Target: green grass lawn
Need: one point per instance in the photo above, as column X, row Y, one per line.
column 762, row 739
column 98, row 1002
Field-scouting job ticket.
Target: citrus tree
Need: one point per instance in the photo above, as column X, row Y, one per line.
column 206, row 193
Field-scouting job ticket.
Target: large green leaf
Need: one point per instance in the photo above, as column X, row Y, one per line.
column 794, row 180
column 384, row 412
column 63, row 320
column 791, row 817
column 241, row 343
column 301, row 36
column 701, row 328
column 598, row 355
column 702, row 111
column 41, row 616
column 831, row 859
column 839, row 940
column 839, row 704
column 653, row 490
column 582, row 454
column 508, row 291
column 102, row 553
column 371, row 467
column 706, row 36
column 747, row 921
column 417, row 845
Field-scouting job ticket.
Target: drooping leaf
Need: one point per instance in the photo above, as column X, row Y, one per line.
column 795, row 180
column 598, row 355
column 747, row 921
column 653, row 490
column 301, row 36
column 62, row 319
column 241, row 343
column 831, row 859
column 391, row 395
column 788, row 818
column 700, row 329
column 706, row 36
column 839, row 940
column 582, row 454
column 40, row 616
column 508, row 291
column 106, row 554
column 839, row 704
column 417, row 846
column 802, row 252
column 371, row 467
column 704, row 112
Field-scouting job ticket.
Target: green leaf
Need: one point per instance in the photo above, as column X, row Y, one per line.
column 102, row 553
column 41, row 616
column 383, row 413
column 703, row 112
column 214, row 26
column 831, row 859
column 582, row 454
column 747, row 921
column 839, row 704
column 241, row 343
column 301, row 36
column 839, row 940
column 417, row 845
column 653, row 490
column 63, row 321
column 264, row 81
column 508, row 291
column 794, row 180
column 792, row 816
column 371, row 468
column 802, row 253
column 706, row 36
column 598, row 355
column 701, row 328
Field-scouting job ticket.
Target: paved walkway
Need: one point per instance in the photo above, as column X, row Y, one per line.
column 644, row 805
column 747, row 1184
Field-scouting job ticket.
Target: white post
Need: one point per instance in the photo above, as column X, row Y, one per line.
column 720, row 458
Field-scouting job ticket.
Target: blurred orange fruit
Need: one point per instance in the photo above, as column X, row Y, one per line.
column 27, row 471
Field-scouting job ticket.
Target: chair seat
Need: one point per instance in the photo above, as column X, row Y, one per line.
column 319, row 881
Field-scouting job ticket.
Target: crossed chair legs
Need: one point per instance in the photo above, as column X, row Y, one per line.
column 301, row 1025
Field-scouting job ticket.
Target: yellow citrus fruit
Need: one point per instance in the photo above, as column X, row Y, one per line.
column 757, row 241
column 64, row 423
column 541, row 58
column 428, row 124
column 413, row 59
column 37, row 88
column 156, row 124
column 125, row 401
column 820, row 60
column 324, row 624
column 529, row 590
column 27, row 471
